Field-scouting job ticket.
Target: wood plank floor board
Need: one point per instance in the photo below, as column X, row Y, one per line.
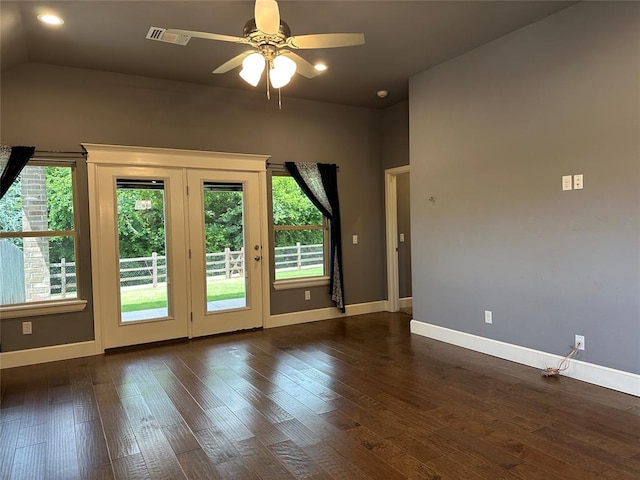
column 132, row 467
column 336, row 465
column 263, row 427
column 32, row 435
column 91, row 450
column 192, row 413
column 261, row 460
column 226, row 422
column 36, row 404
column 29, row 462
column 216, row 446
column 160, row 404
column 180, row 438
column 296, row 460
column 388, row 450
column 61, row 455
column 201, row 393
column 348, row 399
column 11, row 414
column 120, row 437
column 198, row 466
column 336, row 438
column 544, row 456
column 159, row 457
column 9, row 434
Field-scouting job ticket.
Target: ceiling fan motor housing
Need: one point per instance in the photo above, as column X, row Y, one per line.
column 250, row 30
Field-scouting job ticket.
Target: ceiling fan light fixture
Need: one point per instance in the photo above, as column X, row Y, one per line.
column 252, row 68
column 282, row 71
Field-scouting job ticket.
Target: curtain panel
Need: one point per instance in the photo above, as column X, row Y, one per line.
column 320, row 183
column 12, row 161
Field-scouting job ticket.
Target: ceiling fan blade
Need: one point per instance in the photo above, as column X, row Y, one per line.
column 233, row 63
column 208, row 36
column 304, row 68
column 267, row 16
column 326, row 40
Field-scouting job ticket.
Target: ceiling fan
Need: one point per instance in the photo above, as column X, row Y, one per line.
column 271, row 45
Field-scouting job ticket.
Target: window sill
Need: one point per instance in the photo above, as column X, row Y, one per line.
column 300, row 283
column 44, row 308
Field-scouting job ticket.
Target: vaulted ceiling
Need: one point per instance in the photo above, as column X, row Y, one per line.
column 403, row 38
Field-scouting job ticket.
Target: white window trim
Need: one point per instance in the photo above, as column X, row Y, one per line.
column 307, row 282
column 34, row 309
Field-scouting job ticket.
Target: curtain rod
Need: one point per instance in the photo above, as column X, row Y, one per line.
column 281, row 165
column 58, row 152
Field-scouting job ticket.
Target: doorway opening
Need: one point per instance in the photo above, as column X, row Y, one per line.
column 398, row 234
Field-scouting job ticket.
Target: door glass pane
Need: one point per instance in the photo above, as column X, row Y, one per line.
column 224, row 246
column 142, row 249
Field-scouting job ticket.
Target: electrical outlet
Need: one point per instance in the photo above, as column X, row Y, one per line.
column 567, row 182
column 26, row 328
column 579, row 340
column 488, row 316
column 354, row 239
column 307, row 294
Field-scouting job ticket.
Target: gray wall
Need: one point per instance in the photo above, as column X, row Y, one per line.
column 492, row 132
column 395, row 135
column 57, row 108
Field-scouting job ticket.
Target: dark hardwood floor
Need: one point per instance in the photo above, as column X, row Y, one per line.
column 349, row 399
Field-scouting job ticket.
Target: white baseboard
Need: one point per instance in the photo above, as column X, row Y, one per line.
column 32, row 356
column 294, row 318
column 406, row 302
column 619, row 380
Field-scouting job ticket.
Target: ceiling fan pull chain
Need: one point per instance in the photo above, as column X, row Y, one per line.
column 279, row 99
column 268, row 92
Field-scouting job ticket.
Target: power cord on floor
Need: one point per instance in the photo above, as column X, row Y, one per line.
column 563, row 365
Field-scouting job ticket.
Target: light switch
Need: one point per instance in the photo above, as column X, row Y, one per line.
column 355, row 239
column 578, row 183
column 566, row 182
column 402, row 237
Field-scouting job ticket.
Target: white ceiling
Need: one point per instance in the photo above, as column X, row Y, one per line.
column 402, row 38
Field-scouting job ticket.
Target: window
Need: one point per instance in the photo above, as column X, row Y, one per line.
column 300, row 231
column 38, row 236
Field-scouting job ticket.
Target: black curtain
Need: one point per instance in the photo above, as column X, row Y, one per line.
column 13, row 160
column 320, row 183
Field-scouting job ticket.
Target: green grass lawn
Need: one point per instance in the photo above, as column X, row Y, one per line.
column 150, row 297
column 307, row 272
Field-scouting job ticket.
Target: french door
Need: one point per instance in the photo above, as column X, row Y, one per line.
column 226, row 287
column 180, row 252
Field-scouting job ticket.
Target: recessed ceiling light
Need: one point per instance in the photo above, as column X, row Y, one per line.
column 382, row 93
column 321, row 67
column 50, row 19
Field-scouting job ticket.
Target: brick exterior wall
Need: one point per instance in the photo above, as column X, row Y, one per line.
column 36, row 250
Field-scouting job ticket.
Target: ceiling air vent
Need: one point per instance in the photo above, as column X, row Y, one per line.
column 161, row 35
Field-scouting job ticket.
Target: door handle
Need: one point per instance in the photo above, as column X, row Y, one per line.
column 257, row 258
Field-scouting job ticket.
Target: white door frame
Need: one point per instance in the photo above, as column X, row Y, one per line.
column 121, row 155
column 391, row 215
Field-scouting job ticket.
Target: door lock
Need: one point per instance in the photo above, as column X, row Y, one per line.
column 256, row 247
